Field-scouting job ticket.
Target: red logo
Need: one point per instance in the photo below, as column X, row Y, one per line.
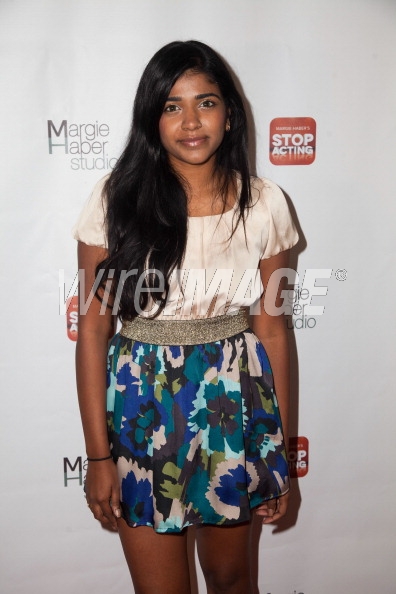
column 298, row 456
column 292, row 141
column 72, row 317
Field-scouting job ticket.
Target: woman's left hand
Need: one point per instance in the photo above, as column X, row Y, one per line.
column 273, row 509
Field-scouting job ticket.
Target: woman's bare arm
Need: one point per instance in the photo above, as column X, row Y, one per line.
column 272, row 332
column 91, row 354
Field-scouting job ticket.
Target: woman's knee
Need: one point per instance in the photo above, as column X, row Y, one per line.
column 227, row 580
column 224, row 555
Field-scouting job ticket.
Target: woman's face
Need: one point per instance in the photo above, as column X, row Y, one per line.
column 192, row 125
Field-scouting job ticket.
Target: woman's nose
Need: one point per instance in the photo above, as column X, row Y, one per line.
column 191, row 120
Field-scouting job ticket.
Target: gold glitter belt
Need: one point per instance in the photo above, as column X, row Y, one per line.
column 184, row 332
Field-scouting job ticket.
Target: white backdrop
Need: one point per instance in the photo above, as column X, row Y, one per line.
column 79, row 62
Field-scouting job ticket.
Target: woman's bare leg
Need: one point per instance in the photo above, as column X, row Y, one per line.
column 158, row 562
column 224, row 555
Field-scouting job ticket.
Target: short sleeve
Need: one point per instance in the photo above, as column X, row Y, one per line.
column 281, row 233
column 90, row 226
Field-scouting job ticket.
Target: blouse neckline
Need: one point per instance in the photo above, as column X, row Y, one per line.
column 214, row 216
column 226, row 212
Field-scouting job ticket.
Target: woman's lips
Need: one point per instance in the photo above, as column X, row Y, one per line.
column 193, row 142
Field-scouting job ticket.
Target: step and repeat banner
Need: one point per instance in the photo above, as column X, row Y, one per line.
column 319, row 83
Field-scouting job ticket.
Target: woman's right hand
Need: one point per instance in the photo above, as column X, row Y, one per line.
column 103, row 493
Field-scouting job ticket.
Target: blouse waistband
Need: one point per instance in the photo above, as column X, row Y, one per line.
column 185, row 332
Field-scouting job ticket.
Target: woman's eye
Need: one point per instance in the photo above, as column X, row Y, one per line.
column 171, row 108
column 208, row 103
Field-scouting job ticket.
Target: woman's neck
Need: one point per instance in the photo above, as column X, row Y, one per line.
column 204, row 191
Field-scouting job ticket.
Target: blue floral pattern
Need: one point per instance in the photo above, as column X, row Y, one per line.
column 195, row 431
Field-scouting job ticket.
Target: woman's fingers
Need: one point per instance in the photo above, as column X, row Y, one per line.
column 267, row 510
column 103, row 512
column 273, row 509
column 103, row 497
column 115, row 503
column 115, row 508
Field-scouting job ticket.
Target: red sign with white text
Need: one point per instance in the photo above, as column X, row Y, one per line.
column 292, row 141
column 298, row 456
column 72, row 317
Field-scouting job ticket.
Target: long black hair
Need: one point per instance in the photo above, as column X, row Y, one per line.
column 146, row 209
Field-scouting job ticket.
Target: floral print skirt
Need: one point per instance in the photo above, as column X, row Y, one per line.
column 194, row 430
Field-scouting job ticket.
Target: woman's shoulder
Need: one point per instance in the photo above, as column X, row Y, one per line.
column 90, row 226
column 98, row 189
column 263, row 187
column 266, row 194
column 270, row 212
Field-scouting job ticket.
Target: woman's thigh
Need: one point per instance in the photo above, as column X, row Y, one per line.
column 224, row 555
column 158, row 563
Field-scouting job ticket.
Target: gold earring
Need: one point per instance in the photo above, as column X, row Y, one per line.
column 228, row 126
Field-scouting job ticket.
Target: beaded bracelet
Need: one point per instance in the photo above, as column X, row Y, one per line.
column 99, row 459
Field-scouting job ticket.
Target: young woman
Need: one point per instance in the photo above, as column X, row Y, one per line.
column 183, row 240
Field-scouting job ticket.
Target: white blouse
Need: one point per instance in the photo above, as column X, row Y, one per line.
column 219, row 275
